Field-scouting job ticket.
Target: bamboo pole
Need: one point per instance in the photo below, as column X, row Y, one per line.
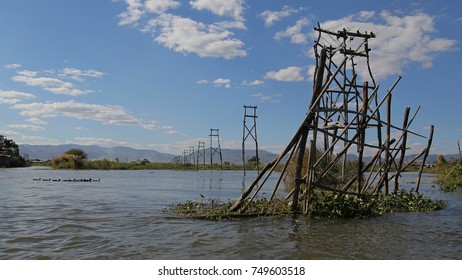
column 452, row 170
column 298, row 170
column 403, row 149
column 427, row 151
column 310, row 176
column 317, row 92
column 282, row 174
column 364, row 169
column 387, row 154
column 362, row 137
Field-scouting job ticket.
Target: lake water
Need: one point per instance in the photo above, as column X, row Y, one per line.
column 122, row 217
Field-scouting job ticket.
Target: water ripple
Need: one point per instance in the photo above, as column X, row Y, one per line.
column 122, row 218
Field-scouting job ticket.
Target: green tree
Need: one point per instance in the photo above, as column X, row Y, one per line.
column 8, row 148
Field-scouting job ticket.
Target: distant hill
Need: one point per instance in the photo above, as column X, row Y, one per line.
column 45, row 152
column 235, row 156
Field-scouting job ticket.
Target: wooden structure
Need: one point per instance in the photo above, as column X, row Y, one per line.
column 250, row 130
column 346, row 116
column 215, row 137
column 200, row 154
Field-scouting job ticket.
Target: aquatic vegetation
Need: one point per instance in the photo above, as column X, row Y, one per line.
column 67, row 161
column 449, row 175
column 322, row 204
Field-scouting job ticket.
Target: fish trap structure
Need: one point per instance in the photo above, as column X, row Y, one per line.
column 347, row 116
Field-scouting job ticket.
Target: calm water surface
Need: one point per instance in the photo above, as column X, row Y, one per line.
column 122, row 217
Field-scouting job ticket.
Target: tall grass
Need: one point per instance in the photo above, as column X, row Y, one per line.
column 449, row 175
column 334, row 178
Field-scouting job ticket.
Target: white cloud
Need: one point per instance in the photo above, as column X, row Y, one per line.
column 20, row 138
column 78, row 75
column 185, row 35
column 173, row 132
column 231, row 25
column 296, row 33
column 399, row 41
column 26, row 127
column 43, row 82
column 132, row 14
column 36, row 121
column 67, row 91
column 49, row 84
column 222, row 82
column 228, row 8
column 365, row 15
column 57, row 85
column 202, row 82
column 253, row 83
column 27, row 73
column 103, row 142
column 106, row 114
column 12, row 66
column 270, row 17
column 289, row 74
column 161, row 6
column 12, row 97
column 273, row 98
column 150, row 126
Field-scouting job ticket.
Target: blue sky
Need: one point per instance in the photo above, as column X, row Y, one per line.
column 158, row 74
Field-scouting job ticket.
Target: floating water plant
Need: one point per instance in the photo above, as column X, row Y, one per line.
column 323, row 204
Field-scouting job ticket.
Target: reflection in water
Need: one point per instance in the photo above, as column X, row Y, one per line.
column 122, row 217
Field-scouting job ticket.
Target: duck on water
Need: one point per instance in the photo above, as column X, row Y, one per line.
column 67, row 180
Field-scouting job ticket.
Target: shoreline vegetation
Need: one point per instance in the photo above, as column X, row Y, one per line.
column 105, row 164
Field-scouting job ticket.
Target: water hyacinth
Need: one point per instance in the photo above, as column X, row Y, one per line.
column 322, row 204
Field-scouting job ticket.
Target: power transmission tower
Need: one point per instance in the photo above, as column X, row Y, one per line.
column 200, row 154
column 250, row 131
column 213, row 150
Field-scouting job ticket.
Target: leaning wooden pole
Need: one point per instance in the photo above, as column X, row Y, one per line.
column 309, row 177
column 299, row 168
column 402, row 148
column 317, row 91
column 424, row 159
column 362, row 137
column 387, row 154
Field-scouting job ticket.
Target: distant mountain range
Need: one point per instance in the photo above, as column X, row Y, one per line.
column 45, row 152
column 126, row 154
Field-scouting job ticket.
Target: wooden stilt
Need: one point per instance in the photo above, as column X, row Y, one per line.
column 403, row 149
column 424, row 159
